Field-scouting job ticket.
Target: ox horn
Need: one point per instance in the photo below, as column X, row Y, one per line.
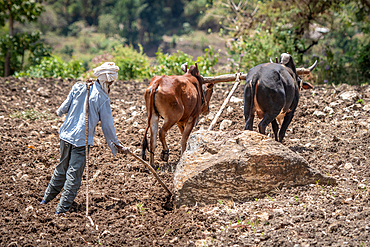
column 271, row 60
column 313, row 66
column 276, row 59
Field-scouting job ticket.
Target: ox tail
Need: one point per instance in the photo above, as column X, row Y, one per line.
column 253, row 85
column 145, row 145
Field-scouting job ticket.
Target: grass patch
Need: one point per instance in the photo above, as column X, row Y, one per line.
column 30, row 114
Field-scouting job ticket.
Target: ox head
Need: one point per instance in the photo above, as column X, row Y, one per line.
column 207, row 88
column 287, row 60
column 302, row 72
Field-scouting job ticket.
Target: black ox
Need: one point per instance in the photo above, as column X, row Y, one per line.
column 272, row 91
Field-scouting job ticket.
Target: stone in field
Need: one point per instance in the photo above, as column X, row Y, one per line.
column 237, row 165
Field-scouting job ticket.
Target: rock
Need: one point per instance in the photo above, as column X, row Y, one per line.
column 338, row 102
column 43, row 92
column 229, row 109
column 329, row 110
column 361, row 186
column 356, row 106
column 334, row 227
column 29, row 208
column 366, row 107
column 350, row 96
column 34, row 133
column 319, row 114
column 264, row 216
column 348, row 166
column 278, row 211
column 234, row 99
column 329, row 167
column 237, row 165
column 174, row 240
column 106, row 232
column 210, row 116
column 132, row 108
column 225, row 124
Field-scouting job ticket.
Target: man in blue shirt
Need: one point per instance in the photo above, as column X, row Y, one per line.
column 72, row 134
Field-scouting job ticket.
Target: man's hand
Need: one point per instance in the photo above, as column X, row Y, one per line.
column 122, row 149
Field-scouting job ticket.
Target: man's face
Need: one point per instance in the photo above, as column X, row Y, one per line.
column 109, row 85
column 106, row 86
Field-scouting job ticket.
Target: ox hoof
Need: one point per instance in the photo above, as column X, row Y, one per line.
column 143, row 157
column 165, row 154
column 155, row 167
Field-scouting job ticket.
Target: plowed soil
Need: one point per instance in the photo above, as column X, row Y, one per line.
column 129, row 208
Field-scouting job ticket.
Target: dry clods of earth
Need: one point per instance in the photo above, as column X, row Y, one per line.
column 330, row 130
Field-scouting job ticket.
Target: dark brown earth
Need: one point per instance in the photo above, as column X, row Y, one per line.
column 129, row 207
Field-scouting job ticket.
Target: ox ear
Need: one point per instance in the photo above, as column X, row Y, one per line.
column 184, row 67
column 306, row 85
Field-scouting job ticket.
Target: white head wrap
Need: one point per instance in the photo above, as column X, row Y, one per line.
column 107, row 72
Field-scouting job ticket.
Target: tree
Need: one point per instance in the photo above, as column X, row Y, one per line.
column 127, row 14
column 16, row 10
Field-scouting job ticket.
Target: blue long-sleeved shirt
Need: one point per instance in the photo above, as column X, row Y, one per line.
column 73, row 129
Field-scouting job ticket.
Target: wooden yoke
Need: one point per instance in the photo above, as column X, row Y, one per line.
column 224, row 78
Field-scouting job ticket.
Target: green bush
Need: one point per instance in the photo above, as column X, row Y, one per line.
column 341, row 60
column 54, row 67
column 171, row 64
column 132, row 64
column 208, row 61
column 257, row 48
column 364, row 62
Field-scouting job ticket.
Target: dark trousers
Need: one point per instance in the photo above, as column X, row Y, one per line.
column 67, row 176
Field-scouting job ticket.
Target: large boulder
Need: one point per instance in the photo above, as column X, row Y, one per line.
column 237, row 165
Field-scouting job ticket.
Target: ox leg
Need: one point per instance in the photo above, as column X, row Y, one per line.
column 162, row 137
column 275, row 128
column 153, row 138
column 287, row 119
column 181, row 127
column 249, row 122
column 185, row 135
column 267, row 119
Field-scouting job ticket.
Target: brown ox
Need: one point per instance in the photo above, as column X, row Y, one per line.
column 179, row 99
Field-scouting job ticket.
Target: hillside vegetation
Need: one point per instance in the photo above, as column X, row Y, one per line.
column 147, row 37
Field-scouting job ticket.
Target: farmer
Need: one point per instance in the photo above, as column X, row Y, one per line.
column 72, row 134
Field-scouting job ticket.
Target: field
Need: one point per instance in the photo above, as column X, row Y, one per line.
column 129, row 208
